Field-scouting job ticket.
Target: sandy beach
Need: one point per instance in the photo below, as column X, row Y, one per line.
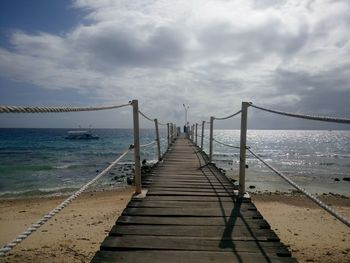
column 75, row 234
column 311, row 233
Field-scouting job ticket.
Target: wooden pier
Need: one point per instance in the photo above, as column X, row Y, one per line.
column 191, row 213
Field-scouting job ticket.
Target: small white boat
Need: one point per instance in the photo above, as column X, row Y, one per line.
column 81, row 135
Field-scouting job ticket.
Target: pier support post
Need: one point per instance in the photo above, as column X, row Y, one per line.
column 137, row 158
column 202, row 138
column 243, row 146
column 158, row 141
column 211, row 139
column 196, row 133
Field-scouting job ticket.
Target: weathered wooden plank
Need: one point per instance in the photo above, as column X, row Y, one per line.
column 190, row 204
column 194, row 198
column 161, row 256
column 192, row 186
column 230, row 232
column 193, row 221
column 192, row 190
column 178, row 183
column 113, row 243
column 182, row 193
column 189, row 211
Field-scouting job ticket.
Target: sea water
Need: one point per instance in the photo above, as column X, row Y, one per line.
column 42, row 161
column 318, row 160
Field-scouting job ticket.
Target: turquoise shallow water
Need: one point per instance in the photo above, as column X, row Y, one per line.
column 42, row 161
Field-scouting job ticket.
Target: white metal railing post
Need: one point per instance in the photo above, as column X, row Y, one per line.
column 158, row 140
column 203, row 122
column 168, row 137
column 243, row 146
column 196, row 133
column 137, row 158
column 211, row 139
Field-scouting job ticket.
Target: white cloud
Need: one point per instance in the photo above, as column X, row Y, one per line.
column 210, row 54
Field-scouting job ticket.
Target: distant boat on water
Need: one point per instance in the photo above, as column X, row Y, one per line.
column 81, row 135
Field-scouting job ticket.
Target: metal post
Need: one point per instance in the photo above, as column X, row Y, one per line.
column 196, row 133
column 211, row 139
column 168, row 134
column 202, row 138
column 137, row 159
column 158, row 141
column 243, row 145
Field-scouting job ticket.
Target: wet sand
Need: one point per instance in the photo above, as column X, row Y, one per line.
column 75, row 234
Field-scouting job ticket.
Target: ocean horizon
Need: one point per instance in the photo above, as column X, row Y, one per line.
column 40, row 161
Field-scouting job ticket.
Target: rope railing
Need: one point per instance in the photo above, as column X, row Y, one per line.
column 22, row 109
column 9, row 246
column 228, row 117
column 163, row 124
column 148, row 144
column 224, row 144
column 145, row 116
column 150, row 119
column 304, row 116
column 309, row 195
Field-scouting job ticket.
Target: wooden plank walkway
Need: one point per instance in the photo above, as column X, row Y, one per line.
column 190, row 214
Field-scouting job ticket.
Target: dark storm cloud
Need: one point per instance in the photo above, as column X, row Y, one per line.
column 320, row 93
column 125, row 47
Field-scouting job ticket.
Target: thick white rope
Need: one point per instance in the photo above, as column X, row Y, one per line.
column 310, row 196
column 230, row 116
column 148, row 144
column 303, row 116
column 228, row 145
column 9, row 246
column 148, row 118
column 145, row 116
column 21, row 109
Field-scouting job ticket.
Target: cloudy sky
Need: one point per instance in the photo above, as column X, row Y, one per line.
column 209, row 54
